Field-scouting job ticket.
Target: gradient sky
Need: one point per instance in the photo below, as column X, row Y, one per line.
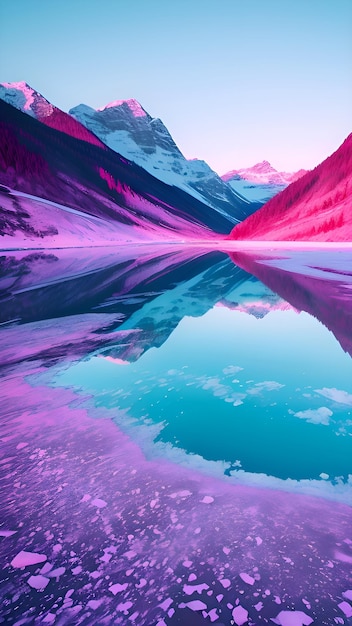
column 235, row 82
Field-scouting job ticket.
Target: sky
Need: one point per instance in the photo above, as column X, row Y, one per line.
column 234, row 81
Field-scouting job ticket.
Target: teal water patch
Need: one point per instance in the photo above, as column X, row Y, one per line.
column 269, row 396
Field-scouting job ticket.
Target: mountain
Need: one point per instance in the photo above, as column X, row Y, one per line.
column 260, row 182
column 128, row 129
column 58, row 190
column 23, row 97
column 316, row 207
column 125, row 127
column 146, row 291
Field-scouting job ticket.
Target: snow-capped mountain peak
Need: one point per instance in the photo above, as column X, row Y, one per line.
column 25, row 98
column 262, row 172
column 134, row 106
column 261, row 181
column 263, row 167
column 127, row 128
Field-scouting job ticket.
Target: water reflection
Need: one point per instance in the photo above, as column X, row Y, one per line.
column 209, row 367
column 197, row 371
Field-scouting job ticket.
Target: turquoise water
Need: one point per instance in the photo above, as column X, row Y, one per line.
column 167, row 421
column 255, row 386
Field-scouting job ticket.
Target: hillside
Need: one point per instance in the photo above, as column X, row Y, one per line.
column 316, row 207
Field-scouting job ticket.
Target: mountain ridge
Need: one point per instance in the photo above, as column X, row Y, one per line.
column 125, row 127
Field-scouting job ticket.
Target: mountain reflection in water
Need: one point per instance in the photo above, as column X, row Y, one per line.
column 224, row 412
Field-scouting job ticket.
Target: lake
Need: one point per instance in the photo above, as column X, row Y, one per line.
column 176, row 433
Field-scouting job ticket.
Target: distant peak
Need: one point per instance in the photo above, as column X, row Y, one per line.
column 134, row 106
column 263, row 166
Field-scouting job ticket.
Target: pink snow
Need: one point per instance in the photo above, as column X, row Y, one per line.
column 134, row 106
column 26, row 90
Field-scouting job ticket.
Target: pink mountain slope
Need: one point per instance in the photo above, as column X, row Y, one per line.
column 26, row 99
column 316, row 207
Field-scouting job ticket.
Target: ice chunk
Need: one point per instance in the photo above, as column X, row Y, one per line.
column 94, row 604
column 346, row 608
column 207, row 500
column 46, row 568
column 23, row 559
column 240, row 615
column 38, row 582
column 196, row 605
column 117, row 588
column 56, row 573
column 99, row 503
column 166, row 604
column 124, row 606
column 213, row 615
column 292, row 618
column 189, row 589
column 347, row 594
column 21, row 445
column 181, row 494
column 247, row 578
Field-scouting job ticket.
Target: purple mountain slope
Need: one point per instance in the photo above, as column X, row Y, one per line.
column 130, row 131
